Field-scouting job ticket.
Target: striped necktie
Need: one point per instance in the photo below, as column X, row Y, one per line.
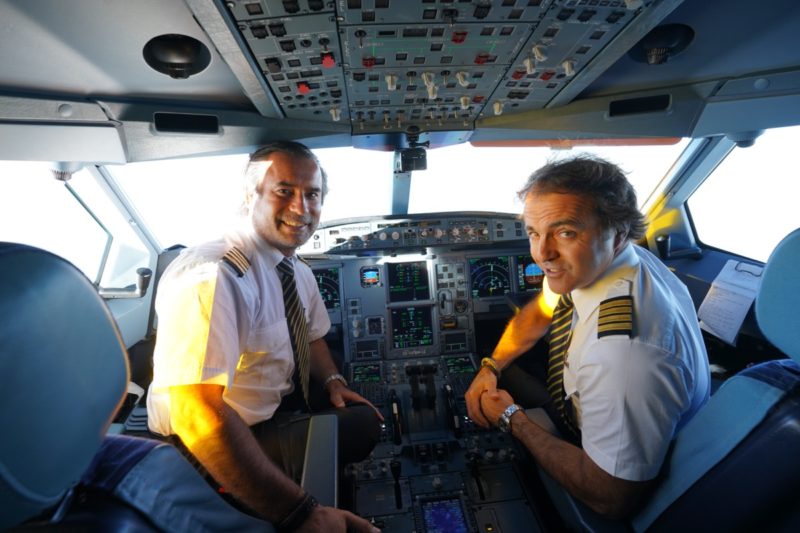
column 298, row 327
column 560, row 336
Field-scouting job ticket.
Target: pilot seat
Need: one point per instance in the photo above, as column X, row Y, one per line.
column 65, row 374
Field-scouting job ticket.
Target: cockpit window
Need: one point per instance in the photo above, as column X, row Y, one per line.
column 188, row 201
column 749, row 203
column 467, row 178
column 38, row 210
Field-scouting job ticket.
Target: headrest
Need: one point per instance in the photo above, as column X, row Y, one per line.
column 64, row 372
column 778, row 300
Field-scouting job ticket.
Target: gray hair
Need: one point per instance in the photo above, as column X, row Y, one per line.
column 598, row 180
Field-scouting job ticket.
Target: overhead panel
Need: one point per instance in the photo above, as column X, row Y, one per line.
column 571, row 34
column 393, row 66
column 433, row 65
column 296, row 46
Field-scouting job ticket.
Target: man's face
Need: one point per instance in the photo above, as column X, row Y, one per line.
column 567, row 240
column 288, row 202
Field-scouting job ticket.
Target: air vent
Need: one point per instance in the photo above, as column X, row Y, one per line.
column 638, row 106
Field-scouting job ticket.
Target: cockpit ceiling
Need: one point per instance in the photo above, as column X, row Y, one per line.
column 419, row 65
column 368, row 73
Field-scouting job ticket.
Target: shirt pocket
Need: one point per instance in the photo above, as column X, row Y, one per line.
column 267, row 359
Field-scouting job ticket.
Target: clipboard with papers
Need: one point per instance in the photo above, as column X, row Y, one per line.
column 731, row 294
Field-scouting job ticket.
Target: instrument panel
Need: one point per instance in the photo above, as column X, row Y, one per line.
column 410, row 322
column 420, row 304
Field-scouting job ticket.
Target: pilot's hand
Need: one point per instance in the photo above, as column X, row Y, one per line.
column 335, row 520
column 485, row 383
column 339, row 395
column 493, row 405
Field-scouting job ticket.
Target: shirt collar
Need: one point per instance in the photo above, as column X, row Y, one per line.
column 586, row 299
column 268, row 253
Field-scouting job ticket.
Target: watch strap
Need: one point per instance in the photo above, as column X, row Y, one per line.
column 336, row 377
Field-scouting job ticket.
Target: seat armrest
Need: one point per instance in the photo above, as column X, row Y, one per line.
column 321, row 464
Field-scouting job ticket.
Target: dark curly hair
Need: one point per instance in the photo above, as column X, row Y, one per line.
column 602, row 182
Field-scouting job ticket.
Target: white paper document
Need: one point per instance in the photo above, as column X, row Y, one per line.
column 727, row 302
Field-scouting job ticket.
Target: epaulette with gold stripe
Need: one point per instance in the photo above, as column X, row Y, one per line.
column 615, row 317
column 237, row 261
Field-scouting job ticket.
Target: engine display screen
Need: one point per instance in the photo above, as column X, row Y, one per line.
column 328, row 283
column 529, row 275
column 408, row 282
column 490, row 276
column 444, row 516
column 411, row 327
column 367, row 373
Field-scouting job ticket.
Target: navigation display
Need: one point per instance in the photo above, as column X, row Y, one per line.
column 529, row 275
column 490, row 276
column 408, row 282
column 411, row 327
column 328, row 283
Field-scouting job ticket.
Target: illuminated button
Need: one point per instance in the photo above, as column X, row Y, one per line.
column 303, row 87
column 327, row 60
column 459, row 37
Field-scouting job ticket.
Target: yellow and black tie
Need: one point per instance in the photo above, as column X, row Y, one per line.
column 560, row 336
column 298, row 327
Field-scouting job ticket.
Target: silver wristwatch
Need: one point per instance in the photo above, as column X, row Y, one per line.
column 504, row 422
column 332, row 377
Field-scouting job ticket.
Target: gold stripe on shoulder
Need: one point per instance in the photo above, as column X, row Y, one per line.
column 615, row 317
column 237, row 261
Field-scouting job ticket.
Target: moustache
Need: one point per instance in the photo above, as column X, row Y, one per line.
column 297, row 221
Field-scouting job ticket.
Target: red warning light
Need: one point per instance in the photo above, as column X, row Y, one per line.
column 327, row 60
column 459, row 37
column 547, row 75
column 518, row 74
column 482, row 58
column 303, row 87
column 477, row 99
column 368, row 62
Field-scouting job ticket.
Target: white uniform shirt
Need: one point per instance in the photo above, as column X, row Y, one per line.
column 218, row 328
column 631, row 395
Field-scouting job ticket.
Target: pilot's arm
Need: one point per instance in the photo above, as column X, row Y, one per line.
column 323, row 367
column 569, row 465
column 520, row 335
column 225, row 446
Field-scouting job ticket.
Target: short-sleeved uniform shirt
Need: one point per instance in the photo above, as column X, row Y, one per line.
column 631, row 394
column 217, row 327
